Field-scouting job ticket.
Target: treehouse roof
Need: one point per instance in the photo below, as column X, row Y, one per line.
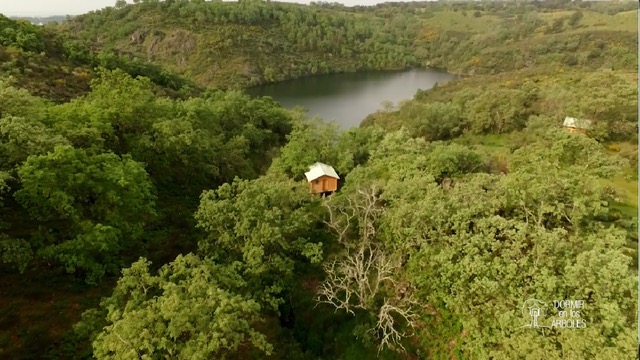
column 318, row 170
column 576, row 123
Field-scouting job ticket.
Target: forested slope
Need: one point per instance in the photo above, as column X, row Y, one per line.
column 473, row 39
column 47, row 64
column 90, row 185
column 237, row 44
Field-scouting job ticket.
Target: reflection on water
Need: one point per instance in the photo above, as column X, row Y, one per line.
column 348, row 98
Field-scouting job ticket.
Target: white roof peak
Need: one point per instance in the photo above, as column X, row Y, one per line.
column 576, row 123
column 318, row 170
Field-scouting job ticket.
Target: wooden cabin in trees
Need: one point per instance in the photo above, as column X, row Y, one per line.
column 322, row 178
column 574, row 125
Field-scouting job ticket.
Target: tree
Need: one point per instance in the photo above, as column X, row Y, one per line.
column 21, row 137
column 362, row 276
column 188, row 311
column 575, row 18
column 18, row 102
column 459, row 245
column 498, row 111
column 528, row 229
column 16, row 253
column 120, row 4
column 309, row 142
column 90, row 208
column 115, row 116
column 439, row 121
column 556, row 26
column 312, row 141
column 263, row 226
column 453, row 160
column 579, row 154
column 261, row 121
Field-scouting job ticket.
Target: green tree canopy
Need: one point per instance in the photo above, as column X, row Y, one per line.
column 90, row 207
column 263, row 227
column 187, row 311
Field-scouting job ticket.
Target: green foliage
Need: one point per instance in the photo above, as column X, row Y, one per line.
column 467, row 240
column 113, row 117
column 4, row 187
column 20, row 34
column 308, row 143
column 84, row 170
column 21, row 137
column 575, row 18
column 188, row 310
column 250, row 42
column 263, row 228
column 136, row 67
column 401, row 157
column 314, row 141
column 489, row 44
column 529, row 229
column 498, row 111
column 452, row 160
column 15, row 252
column 18, row 102
column 579, row 154
column 533, row 229
column 47, row 63
column 187, row 144
column 439, row 121
column 503, row 104
column 90, row 207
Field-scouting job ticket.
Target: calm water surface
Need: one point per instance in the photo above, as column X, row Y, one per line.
column 348, row 98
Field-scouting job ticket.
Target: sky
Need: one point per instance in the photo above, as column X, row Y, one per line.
column 76, row 7
column 51, row 7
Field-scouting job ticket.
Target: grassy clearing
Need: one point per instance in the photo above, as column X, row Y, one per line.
column 627, row 191
column 626, row 183
column 486, row 23
column 623, row 21
column 591, row 20
column 457, row 21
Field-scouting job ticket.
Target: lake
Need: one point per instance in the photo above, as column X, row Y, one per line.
column 348, row 98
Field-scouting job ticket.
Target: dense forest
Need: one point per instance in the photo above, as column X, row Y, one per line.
column 149, row 209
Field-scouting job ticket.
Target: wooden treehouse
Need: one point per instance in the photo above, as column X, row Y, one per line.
column 574, row 125
column 322, row 178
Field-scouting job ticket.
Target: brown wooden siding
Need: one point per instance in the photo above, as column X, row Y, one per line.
column 323, row 184
column 576, row 130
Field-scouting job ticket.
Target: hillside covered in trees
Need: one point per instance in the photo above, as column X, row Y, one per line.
column 229, row 44
column 46, row 63
column 150, row 209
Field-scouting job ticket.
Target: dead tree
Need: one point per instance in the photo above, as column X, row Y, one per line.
column 364, row 272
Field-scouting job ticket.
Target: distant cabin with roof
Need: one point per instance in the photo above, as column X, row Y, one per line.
column 574, row 125
column 322, row 178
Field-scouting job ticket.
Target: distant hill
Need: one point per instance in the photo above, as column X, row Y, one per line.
column 43, row 61
column 238, row 44
column 250, row 42
column 43, row 20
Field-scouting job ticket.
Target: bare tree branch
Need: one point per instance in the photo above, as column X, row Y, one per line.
column 365, row 271
column 387, row 327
